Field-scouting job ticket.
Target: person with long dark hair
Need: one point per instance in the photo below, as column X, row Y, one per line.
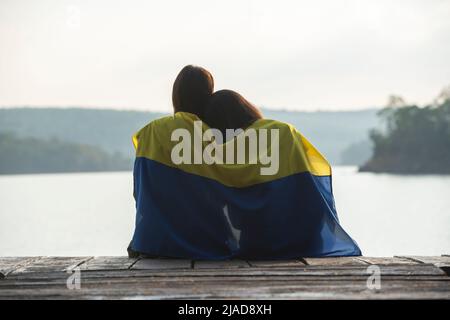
column 192, row 90
column 227, row 109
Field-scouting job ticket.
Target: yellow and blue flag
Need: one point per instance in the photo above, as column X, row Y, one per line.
column 231, row 210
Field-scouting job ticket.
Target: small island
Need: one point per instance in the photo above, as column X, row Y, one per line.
column 415, row 140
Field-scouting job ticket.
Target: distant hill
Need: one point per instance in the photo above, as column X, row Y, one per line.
column 111, row 130
column 333, row 132
column 33, row 155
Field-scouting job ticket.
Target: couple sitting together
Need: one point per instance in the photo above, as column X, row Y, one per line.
column 201, row 196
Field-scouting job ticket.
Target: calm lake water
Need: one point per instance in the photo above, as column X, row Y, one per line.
column 93, row 213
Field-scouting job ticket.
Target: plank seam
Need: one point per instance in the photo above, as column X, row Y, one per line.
column 132, row 264
column 364, row 261
column 410, row 259
column 79, row 264
column 302, row 260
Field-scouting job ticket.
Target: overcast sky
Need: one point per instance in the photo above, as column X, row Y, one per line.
column 302, row 55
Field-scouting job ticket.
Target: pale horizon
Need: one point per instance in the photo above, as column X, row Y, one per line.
column 145, row 109
column 284, row 55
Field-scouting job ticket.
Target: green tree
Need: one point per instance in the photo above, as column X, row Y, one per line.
column 415, row 139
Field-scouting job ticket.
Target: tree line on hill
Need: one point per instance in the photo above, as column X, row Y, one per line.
column 32, row 155
column 415, row 140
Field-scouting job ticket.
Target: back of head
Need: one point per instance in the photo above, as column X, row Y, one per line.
column 227, row 109
column 192, row 89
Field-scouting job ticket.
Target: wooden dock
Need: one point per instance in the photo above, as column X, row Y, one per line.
column 402, row 277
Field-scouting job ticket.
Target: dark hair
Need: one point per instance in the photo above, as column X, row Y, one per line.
column 227, row 109
column 192, row 89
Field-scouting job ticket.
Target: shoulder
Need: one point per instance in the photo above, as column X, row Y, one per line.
column 157, row 123
column 164, row 126
column 285, row 129
column 179, row 119
column 147, row 130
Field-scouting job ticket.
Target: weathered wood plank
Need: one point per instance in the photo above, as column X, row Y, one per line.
column 438, row 261
column 275, row 263
column 50, row 264
column 162, row 264
column 139, row 277
column 389, row 260
column 216, row 288
column 199, row 264
column 339, row 271
column 335, row 261
column 120, row 277
column 108, row 263
column 10, row 264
